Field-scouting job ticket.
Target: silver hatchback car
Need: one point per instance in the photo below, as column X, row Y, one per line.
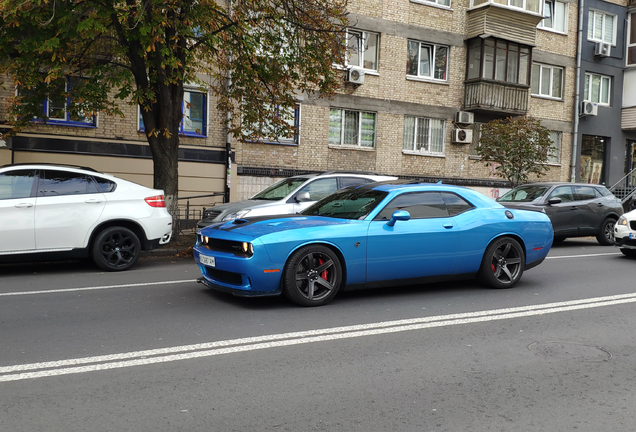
column 287, row 196
column 575, row 209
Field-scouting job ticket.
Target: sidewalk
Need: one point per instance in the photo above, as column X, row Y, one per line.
column 181, row 247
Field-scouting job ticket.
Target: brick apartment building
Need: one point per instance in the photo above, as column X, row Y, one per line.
column 421, row 77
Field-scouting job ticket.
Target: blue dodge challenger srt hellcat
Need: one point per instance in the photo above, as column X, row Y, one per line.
column 378, row 234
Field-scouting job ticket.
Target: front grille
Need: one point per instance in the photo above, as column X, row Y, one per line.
column 229, row 246
column 211, row 213
column 632, row 225
column 224, row 276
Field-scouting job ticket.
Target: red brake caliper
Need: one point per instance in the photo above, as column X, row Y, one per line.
column 324, row 272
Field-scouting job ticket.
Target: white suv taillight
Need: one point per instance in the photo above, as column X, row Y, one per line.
column 155, row 201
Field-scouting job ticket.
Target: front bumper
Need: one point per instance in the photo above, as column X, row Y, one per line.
column 624, row 237
column 245, row 277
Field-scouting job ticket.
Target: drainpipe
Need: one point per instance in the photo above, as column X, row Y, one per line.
column 577, row 96
column 228, row 136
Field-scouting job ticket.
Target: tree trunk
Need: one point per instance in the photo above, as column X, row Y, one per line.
column 165, row 158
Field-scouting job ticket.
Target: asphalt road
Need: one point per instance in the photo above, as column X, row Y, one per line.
column 152, row 350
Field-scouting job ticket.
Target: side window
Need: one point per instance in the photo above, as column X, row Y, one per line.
column 58, row 183
column 351, row 181
column 320, row 188
column 421, row 205
column 16, row 184
column 585, row 192
column 105, row 185
column 563, row 192
column 456, row 204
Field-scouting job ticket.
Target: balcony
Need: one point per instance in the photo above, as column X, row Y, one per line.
column 496, row 97
column 513, row 20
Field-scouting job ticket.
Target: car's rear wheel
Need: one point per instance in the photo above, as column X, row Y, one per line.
column 629, row 252
column 116, row 249
column 503, row 263
column 606, row 236
column 312, row 276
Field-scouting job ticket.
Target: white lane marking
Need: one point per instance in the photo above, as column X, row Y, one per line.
column 96, row 287
column 163, row 355
column 582, row 256
column 194, row 280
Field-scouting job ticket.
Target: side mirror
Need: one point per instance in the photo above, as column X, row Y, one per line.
column 401, row 215
column 555, row 200
column 303, row 197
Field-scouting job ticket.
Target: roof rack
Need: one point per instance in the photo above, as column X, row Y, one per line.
column 349, row 172
column 52, row 165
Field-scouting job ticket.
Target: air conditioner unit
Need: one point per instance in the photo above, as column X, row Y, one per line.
column 355, row 76
column 463, row 136
column 602, row 49
column 464, row 117
column 589, row 108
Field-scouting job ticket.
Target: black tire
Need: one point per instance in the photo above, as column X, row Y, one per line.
column 629, row 252
column 558, row 239
column 605, row 237
column 503, row 263
column 116, row 249
column 312, row 276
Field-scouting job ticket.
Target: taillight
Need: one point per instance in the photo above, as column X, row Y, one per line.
column 156, row 201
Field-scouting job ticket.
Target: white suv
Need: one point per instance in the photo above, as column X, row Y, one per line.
column 55, row 211
column 288, row 196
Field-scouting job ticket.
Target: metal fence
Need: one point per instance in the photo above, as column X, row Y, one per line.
column 187, row 217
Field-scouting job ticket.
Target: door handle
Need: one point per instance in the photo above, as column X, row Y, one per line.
column 93, row 201
column 448, row 225
column 574, row 208
column 24, row 205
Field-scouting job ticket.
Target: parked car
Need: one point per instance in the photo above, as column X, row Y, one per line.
column 56, row 211
column 378, row 234
column 575, row 209
column 287, row 196
column 625, row 233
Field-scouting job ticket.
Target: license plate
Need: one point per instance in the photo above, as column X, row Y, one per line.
column 207, row 260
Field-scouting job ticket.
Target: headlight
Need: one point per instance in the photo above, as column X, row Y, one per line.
column 622, row 221
column 236, row 215
column 248, row 248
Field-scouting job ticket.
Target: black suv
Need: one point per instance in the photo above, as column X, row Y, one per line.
column 575, row 209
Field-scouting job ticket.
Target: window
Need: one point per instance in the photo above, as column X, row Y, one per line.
column 56, row 183
column 456, row 204
column 319, row 189
column 446, row 3
column 547, row 81
column 423, row 135
column 427, row 60
column 555, row 16
column 56, row 106
column 585, row 193
column 497, row 59
column 16, row 184
column 351, row 128
column 421, row 205
column 563, row 192
column 597, row 89
column 601, row 27
column 631, row 40
column 272, row 133
column 194, row 122
column 555, row 155
column 362, row 49
column 529, row 5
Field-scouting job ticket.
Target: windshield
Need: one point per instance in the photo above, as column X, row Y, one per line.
column 524, row 194
column 346, row 204
column 280, row 190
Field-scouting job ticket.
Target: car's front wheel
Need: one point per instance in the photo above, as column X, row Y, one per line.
column 503, row 263
column 312, row 276
column 629, row 252
column 116, row 249
column 606, row 236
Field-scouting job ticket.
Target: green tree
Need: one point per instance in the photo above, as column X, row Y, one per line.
column 517, row 147
column 254, row 56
